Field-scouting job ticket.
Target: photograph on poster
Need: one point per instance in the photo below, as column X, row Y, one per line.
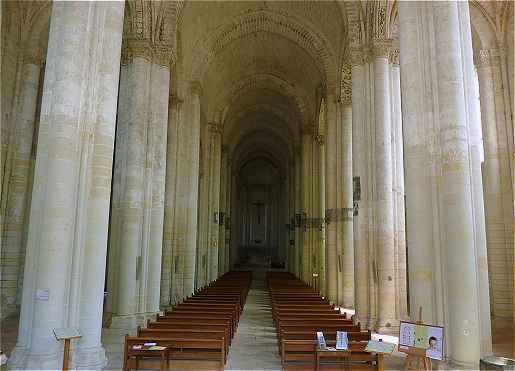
column 420, row 338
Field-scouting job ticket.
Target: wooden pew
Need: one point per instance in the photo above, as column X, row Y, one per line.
column 192, row 325
column 183, row 353
column 197, row 332
column 299, row 313
column 301, row 355
column 173, row 333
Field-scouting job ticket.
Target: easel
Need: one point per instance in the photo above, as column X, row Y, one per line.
column 66, row 334
column 423, row 363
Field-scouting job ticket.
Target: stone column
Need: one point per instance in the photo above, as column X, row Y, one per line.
column 298, row 212
column 235, row 218
column 475, row 147
column 346, row 281
column 383, row 200
column 331, row 192
column 307, row 143
column 364, row 264
column 398, row 189
column 204, row 210
column 215, row 145
column 443, row 248
column 67, row 233
column 170, row 258
column 223, row 210
column 159, row 127
column 496, row 182
column 314, row 226
column 186, row 208
column 320, row 139
column 228, row 210
column 138, row 187
column 18, row 186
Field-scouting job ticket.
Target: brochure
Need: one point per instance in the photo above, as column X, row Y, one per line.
column 341, row 340
column 321, row 340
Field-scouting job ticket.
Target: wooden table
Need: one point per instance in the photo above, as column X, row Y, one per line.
column 338, row 354
column 146, row 351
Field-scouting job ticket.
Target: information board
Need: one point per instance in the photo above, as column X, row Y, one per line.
column 375, row 346
column 421, row 339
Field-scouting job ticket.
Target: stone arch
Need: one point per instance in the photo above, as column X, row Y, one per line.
column 301, row 33
column 256, row 81
column 483, row 29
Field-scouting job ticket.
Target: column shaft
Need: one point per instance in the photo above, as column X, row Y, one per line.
column 444, row 246
column 331, row 173
column 321, row 213
column 298, row 212
column 170, row 258
column 347, row 277
column 19, row 188
column 223, row 210
column 215, row 139
column 307, row 143
column 187, row 191
column 138, row 189
column 383, row 195
column 497, row 184
column 398, row 195
column 67, row 234
column 360, row 169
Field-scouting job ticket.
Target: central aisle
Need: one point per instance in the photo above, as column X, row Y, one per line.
column 254, row 346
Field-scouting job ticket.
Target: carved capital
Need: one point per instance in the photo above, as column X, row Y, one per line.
column 175, row 101
column 136, row 48
column 489, row 57
column 31, row 56
column 195, row 88
column 163, row 55
column 394, row 56
column 380, row 48
column 357, row 57
column 346, row 86
column 319, row 139
column 215, row 128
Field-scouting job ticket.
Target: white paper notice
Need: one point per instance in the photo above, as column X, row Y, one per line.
column 321, row 340
column 341, row 340
column 43, row 294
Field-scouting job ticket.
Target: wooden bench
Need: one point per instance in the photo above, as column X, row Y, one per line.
column 189, row 318
column 197, row 332
column 183, row 353
column 299, row 312
column 191, row 325
column 299, row 355
column 208, row 315
column 173, row 333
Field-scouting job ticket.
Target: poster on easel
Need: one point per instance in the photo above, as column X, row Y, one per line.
column 421, row 340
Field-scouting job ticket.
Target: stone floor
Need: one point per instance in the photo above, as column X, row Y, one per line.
column 254, row 346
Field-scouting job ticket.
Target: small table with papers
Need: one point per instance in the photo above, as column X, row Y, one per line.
column 144, row 350
column 342, row 356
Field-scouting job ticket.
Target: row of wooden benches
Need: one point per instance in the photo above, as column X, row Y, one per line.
column 195, row 334
column 299, row 312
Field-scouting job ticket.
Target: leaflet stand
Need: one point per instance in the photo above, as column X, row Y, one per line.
column 423, row 362
column 66, row 334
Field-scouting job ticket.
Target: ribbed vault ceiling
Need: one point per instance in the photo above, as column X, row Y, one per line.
column 262, row 67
